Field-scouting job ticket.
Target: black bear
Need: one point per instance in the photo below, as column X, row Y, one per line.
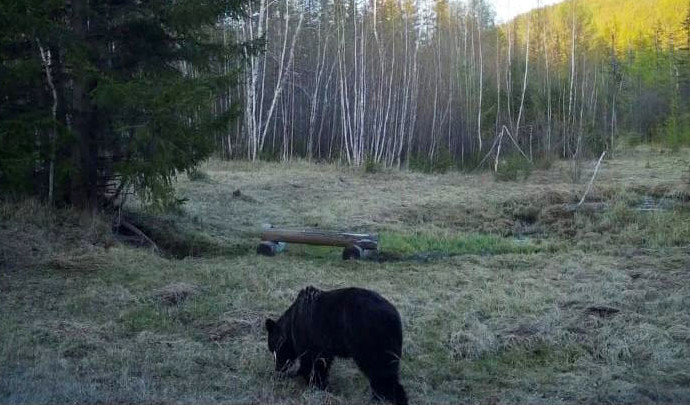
column 349, row 323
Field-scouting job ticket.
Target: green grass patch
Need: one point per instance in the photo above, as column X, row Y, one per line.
column 455, row 244
column 147, row 317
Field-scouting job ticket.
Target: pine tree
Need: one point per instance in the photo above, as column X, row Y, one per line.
column 99, row 96
column 25, row 120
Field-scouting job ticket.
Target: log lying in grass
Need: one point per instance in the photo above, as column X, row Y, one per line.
column 356, row 245
column 320, row 238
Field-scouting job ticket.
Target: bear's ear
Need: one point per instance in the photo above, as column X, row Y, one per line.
column 270, row 325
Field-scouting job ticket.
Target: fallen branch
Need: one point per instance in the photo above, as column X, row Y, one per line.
column 498, row 152
column 591, row 181
column 139, row 233
column 488, row 153
column 602, row 311
column 516, row 144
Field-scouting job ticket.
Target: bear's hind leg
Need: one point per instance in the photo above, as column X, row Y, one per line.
column 382, row 369
column 319, row 374
column 314, row 368
column 388, row 389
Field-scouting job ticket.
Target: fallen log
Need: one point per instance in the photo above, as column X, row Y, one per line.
column 321, row 238
column 356, row 245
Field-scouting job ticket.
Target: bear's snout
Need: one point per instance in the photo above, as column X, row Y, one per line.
column 288, row 368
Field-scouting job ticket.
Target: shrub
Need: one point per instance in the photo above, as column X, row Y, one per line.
column 197, row 175
column 372, row 166
column 511, row 168
column 544, row 162
column 441, row 163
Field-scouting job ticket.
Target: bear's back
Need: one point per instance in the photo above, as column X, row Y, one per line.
column 349, row 320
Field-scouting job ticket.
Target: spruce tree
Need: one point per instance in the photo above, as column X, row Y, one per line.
column 102, row 95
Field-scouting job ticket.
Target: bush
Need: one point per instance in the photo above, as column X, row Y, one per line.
column 197, row 175
column 676, row 130
column 544, row 162
column 372, row 166
column 511, row 168
column 442, row 162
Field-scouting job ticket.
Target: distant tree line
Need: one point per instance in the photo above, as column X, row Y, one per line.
column 437, row 83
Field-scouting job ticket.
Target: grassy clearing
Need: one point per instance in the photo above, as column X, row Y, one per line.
column 524, row 302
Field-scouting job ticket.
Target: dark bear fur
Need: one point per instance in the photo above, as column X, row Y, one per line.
column 349, row 323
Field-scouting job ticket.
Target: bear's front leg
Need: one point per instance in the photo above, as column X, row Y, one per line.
column 306, row 364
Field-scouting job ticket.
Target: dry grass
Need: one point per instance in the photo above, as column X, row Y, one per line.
column 504, row 299
column 80, row 260
column 176, row 293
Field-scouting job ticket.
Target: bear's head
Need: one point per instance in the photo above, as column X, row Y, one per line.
column 280, row 344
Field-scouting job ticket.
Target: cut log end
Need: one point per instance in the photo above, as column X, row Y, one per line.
column 267, row 248
column 357, row 252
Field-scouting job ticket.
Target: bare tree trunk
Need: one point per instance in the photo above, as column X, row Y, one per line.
column 498, row 81
column 465, row 69
column 509, row 79
column 548, row 92
column 572, row 71
column 481, row 85
column 582, row 107
column 343, row 90
column 320, row 67
column 281, row 70
column 46, row 59
column 250, row 113
column 524, row 86
column 437, row 78
column 614, row 118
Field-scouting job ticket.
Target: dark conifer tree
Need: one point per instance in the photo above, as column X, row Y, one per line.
column 102, row 95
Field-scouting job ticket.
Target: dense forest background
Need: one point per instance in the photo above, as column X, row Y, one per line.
column 434, row 83
column 106, row 96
